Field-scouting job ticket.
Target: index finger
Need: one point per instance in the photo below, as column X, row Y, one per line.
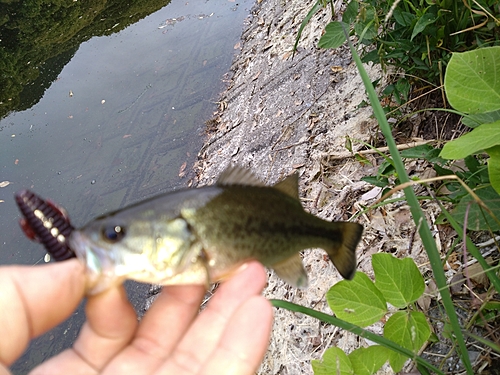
column 34, row 300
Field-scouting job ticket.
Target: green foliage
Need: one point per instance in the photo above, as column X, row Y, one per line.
column 407, row 326
column 472, row 81
column 475, row 174
column 334, row 361
column 398, row 279
column 357, row 301
column 334, row 35
column 387, row 169
column 477, row 219
column 423, row 228
column 366, row 361
column 472, row 85
column 426, row 152
column 481, row 118
column 416, row 37
column 384, row 343
column 479, row 139
column 362, row 302
column 316, row 7
column 409, row 329
column 494, row 166
column 362, row 361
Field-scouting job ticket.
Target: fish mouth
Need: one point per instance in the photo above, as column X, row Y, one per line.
column 99, row 265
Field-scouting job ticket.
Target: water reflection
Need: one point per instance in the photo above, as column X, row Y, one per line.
column 33, row 32
column 115, row 118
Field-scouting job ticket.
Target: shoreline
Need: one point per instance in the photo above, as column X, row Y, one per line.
column 281, row 115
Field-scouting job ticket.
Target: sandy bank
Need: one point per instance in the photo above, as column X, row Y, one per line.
column 279, row 115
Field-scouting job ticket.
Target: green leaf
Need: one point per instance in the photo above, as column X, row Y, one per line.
column 367, row 361
column 371, row 56
column 367, row 24
column 494, row 167
column 478, row 219
column 403, row 87
column 334, row 361
column 473, row 121
column 330, row 319
column 403, row 18
column 357, row 301
column 472, row 80
column 399, row 280
column 418, row 152
column 422, row 23
column 334, row 35
column 426, row 152
column 377, row 181
column 410, row 330
column 472, row 163
column 481, row 138
column 386, row 168
column 351, row 11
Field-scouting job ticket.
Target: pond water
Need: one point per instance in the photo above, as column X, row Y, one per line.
column 109, row 119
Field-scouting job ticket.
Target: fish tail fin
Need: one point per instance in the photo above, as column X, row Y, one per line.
column 343, row 253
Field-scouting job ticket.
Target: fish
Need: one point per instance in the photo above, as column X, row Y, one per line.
column 203, row 235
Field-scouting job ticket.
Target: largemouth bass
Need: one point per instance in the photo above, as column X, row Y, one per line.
column 200, row 236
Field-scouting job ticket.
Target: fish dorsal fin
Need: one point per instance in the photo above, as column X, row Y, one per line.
column 289, row 186
column 292, row 271
column 236, row 175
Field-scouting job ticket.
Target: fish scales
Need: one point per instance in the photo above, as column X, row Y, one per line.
column 260, row 222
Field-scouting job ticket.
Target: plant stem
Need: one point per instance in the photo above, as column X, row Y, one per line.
column 356, row 330
column 416, row 211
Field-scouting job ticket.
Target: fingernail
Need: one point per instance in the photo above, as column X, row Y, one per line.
column 242, row 267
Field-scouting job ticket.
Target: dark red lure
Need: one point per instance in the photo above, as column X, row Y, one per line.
column 46, row 223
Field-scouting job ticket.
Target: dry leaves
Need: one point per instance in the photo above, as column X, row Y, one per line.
column 182, row 170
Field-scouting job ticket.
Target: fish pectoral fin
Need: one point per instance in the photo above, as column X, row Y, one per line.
column 343, row 257
column 292, row 271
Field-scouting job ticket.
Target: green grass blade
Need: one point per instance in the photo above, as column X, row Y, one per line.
column 485, row 342
column 356, row 330
column 416, row 211
column 305, row 21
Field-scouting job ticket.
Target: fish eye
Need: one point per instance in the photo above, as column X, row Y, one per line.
column 112, row 233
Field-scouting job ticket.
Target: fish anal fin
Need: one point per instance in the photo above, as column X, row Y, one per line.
column 289, row 186
column 343, row 256
column 236, row 175
column 292, row 271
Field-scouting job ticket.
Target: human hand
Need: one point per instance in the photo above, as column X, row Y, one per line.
column 229, row 337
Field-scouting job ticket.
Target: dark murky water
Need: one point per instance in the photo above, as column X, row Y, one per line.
column 110, row 120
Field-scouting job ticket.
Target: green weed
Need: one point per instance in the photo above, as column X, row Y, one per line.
column 398, row 282
column 417, row 37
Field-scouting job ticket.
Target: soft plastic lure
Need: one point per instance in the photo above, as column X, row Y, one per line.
column 45, row 222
